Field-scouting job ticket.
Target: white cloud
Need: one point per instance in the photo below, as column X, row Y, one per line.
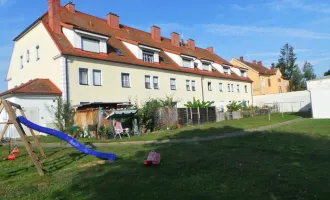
column 301, row 5
column 242, row 8
column 235, row 30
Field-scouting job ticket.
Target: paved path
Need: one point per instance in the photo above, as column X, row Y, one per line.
column 195, row 139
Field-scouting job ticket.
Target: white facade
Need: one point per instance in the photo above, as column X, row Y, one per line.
column 320, row 95
column 287, row 102
column 36, row 109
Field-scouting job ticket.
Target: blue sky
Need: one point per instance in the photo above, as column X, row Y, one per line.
column 255, row 29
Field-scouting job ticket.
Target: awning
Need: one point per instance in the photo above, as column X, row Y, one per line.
column 121, row 113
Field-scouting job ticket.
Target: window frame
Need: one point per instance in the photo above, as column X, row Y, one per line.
column 227, row 70
column 145, row 82
column 209, row 86
column 246, row 89
column 269, row 83
column 21, row 62
column 206, row 64
column 173, row 79
column 232, row 87
column 37, row 53
column 153, row 82
column 149, row 53
column 122, row 80
column 228, row 85
column 188, row 85
column 221, row 87
column 101, row 79
column 193, row 85
column 90, row 39
column 238, row 88
column 81, row 69
column 27, row 55
column 186, row 60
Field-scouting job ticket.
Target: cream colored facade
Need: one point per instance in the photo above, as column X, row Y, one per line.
column 44, row 67
column 64, row 72
column 112, row 90
column 264, row 84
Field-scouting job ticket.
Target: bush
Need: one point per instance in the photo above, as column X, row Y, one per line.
column 234, row 106
column 147, row 114
column 198, row 104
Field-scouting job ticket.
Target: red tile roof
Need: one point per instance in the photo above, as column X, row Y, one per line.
column 35, row 87
column 97, row 25
column 259, row 68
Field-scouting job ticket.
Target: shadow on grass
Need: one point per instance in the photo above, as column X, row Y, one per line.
column 269, row 165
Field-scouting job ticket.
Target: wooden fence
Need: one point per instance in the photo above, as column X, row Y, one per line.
column 195, row 116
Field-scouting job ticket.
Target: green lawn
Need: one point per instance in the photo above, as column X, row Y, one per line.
column 290, row 162
column 209, row 129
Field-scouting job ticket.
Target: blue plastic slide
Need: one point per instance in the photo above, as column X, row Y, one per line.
column 68, row 139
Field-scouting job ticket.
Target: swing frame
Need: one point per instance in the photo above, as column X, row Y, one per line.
column 11, row 109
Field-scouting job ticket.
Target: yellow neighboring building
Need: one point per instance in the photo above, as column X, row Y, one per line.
column 265, row 80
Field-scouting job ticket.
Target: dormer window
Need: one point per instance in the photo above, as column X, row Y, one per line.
column 148, row 56
column 206, row 65
column 226, row 70
column 92, row 45
column 187, row 61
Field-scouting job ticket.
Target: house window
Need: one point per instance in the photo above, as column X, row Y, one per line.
column 206, row 66
column 37, row 53
column 125, row 80
column 187, row 85
column 226, row 70
column 83, row 76
column 238, row 88
column 262, row 82
column 220, row 87
column 147, row 82
column 27, row 56
column 279, row 80
column 209, row 86
column 97, row 77
column 242, row 73
column 156, row 82
column 193, row 86
column 246, row 89
column 269, row 83
column 91, row 45
column 148, row 56
column 186, row 63
column 228, row 87
column 279, row 89
column 22, row 62
column 232, row 87
column 173, row 83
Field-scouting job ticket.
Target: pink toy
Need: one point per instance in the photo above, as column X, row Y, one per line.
column 153, row 158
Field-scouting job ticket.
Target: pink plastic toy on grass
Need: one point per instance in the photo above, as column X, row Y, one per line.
column 153, row 158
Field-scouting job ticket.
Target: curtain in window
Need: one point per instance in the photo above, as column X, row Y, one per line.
column 83, row 75
column 125, row 80
column 155, row 82
column 97, row 77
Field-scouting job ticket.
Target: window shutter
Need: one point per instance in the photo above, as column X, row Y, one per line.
column 97, row 77
column 90, row 45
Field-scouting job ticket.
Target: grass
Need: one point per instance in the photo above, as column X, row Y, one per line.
column 209, row 129
column 290, row 162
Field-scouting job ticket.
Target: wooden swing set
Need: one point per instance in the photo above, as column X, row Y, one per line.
column 11, row 109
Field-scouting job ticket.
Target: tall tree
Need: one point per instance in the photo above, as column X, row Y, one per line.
column 273, row 66
column 327, row 73
column 287, row 61
column 297, row 80
column 308, row 71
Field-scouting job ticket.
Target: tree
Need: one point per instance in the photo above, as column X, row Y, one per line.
column 273, row 66
column 198, row 104
column 287, row 61
column 327, row 73
column 63, row 114
column 297, row 81
column 308, row 71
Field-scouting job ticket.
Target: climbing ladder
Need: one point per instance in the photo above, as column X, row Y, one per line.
column 11, row 108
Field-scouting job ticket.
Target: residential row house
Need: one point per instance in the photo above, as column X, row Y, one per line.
column 99, row 60
column 265, row 80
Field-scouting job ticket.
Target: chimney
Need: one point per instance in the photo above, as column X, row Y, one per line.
column 191, row 44
column 241, row 58
column 254, row 62
column 113, row 20
column 155, row 33
column 71, row 7
column 210, row 49
column 54, row 11
column 260, row 63
column 175, row 39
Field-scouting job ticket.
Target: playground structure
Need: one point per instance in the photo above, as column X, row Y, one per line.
column 17, row 121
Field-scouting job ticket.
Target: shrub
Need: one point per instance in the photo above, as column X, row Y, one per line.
column 198, row 104
column 234, row 106
column 147, row 114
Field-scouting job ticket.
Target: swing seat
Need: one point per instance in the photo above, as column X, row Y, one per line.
column 11, row 157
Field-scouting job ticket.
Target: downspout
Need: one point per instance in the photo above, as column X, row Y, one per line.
column 66, row 78
column 202, row 88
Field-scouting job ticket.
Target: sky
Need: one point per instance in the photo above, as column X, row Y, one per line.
column 255, row 29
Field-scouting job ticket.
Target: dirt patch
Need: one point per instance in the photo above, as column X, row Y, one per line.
column 91, row 164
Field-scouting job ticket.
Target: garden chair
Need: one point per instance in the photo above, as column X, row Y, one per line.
column 119, row 129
